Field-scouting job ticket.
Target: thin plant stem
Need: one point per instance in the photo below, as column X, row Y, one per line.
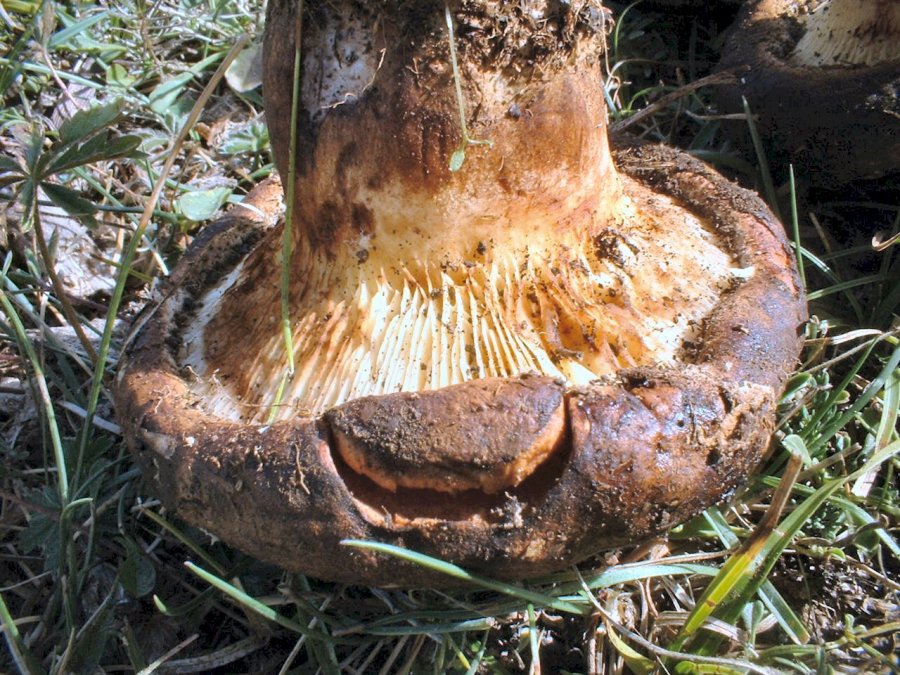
column 31, row 355
column 457, row 83
column 58, row 287
column 459, row 155
column 795, row 226
column 767, row 183
column 18, row 650
column 290, row 190
column 287, row 232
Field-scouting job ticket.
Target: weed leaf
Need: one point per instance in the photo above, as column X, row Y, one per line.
column 200, row 205
column 90, row 645
column 62, row 37
column 86, row 123
column 9, row 164
column 117, row 75
column 167, row 93
column 797, row 447
column 137, row 574
column 245, row 72
column 68, row 200
column 34, row 146
column 97, row 149
column 457, row 159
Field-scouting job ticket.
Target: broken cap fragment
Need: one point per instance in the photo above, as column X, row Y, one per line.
column 489, row 436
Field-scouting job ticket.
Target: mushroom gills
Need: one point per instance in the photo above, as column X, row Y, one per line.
column 849, row 33
column 629, row 293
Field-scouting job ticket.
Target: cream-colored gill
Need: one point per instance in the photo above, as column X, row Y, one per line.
column 850, row 33
column 630, row 295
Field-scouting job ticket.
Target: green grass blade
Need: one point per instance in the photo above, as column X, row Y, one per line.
column 855, row 513
column 790, row 623
column 22, row 657
column 795, row 226
column 130, row 251
column 459, row 573
column 476, row 662
column 484, row 623
column 890, row 405
column 637, row 663
column 764, row 560
column 533, row 639
column 252, row 604
column 47, row 404
column 878, row 457
column 623, row 574
column 61, row 37
column 845, row 286
column 185, row 540
column 188, row 608
column 822, row 436
column 736, row 574
column 289, row 199
column 766, row 175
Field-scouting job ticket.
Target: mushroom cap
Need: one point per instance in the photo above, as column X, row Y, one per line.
column 820, row 98
column 618, row 459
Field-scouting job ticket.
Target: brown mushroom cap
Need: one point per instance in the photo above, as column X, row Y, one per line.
column 823, row 83
column 550, row 418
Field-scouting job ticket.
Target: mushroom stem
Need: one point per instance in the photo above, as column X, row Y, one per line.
column 381, row 121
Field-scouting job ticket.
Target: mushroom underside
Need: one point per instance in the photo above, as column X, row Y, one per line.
column 516, row 475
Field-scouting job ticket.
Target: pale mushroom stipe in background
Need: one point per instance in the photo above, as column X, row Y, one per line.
column 554, row 350
column 822, row 79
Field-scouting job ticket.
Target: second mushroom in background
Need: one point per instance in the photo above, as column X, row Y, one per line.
column 823, row 84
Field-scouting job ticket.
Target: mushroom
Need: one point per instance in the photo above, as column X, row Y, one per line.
column 552, row 350
column 823, row 83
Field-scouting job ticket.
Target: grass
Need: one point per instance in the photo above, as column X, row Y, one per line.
column 797, row 574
